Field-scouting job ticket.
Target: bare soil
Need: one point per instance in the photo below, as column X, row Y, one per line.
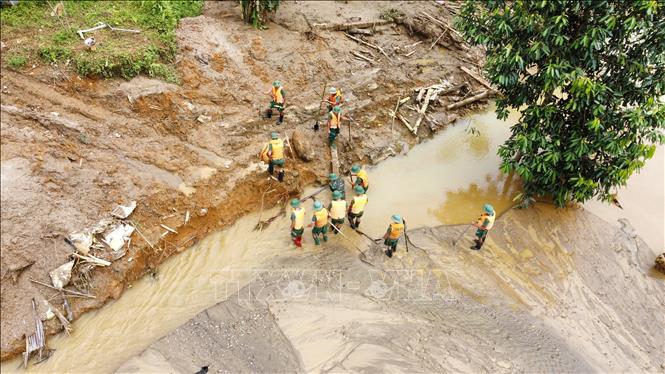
column 73, row 147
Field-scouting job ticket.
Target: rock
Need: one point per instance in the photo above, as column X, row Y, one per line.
column 302, row 146
column 660, row 263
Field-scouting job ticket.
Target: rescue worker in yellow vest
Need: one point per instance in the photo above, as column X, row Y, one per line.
column 391, row 237
column 337, row 210
column 334, row 122
column 334, row 98
column 361, row 178
column 357, row 207
column 320, row 222
column 484, row 225
column 277, row 93
column 273, row 154
column 297, row 222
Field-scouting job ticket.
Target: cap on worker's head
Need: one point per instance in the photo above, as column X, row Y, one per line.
column 332, row 90
column 295, row 203
column 359, row 190
column 332, row 176
column 355, row 168
column 488, row 208
column 397, row 218
column 337, row 109
column 274, row 135
column 337, row 195
column 318, row 205
column 276, row 83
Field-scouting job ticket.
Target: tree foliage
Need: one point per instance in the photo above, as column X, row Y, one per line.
column 588, row 77
column 257, row 12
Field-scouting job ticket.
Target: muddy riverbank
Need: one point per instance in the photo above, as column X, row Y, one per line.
column 73, row 147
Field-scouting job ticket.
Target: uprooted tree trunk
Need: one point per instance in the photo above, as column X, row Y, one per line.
column 258, row 12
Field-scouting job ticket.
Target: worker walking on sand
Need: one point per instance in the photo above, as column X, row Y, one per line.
column 277, row 93
column 357, row 207
column 337, row 210
column 297, row 222
column 334, row 98
column 334, row 122
column 272, row 153
column 484, row 225
column 361, row 179
column 320, row 222
column 392, row 235
column 336, row 184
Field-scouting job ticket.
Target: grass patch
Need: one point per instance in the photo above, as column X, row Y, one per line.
column 30, row 29
column 16, row 62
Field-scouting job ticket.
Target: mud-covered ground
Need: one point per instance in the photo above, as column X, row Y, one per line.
column 551, row 291
column 73, row 148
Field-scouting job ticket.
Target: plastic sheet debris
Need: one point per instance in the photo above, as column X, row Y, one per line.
column 122, row 211
column 61, row 276
column 81, row 241
column 118, row 236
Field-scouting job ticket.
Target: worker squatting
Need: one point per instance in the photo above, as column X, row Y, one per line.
column 338, row 210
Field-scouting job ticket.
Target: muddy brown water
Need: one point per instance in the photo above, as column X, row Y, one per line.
column 442, row 181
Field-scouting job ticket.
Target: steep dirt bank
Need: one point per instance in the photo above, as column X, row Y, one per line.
column 551, row 291
column 73, row 148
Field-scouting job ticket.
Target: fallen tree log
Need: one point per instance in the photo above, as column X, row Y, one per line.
column 350, row 25
column 470, row 100
column 476, row 77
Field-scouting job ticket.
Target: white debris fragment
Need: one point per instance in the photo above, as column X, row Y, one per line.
column 122, row 211
column 118, row 236
column 81, row 241
column 61, row 276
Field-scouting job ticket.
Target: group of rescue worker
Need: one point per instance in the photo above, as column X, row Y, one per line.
column 338, row 210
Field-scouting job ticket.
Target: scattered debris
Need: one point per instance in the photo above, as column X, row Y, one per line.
column 81, row 241
column 102, row 25
column 92, row 260
column 470, row 100
column 168, row 228
column 37, row 341
column 118, row 235
column 350, row 25
column 122, row 211
column 367, row 44
column 362, row 57
column 476, row 77
column 203, row 118
column 61, row 275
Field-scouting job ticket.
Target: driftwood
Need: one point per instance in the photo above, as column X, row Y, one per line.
column 350, row 25
column 405, row 122
column 423, row 109
column 468, row 101
column 359, row 55
column 476, row 77
column 168, row 228
column 36, row 341
column 367, row 44
column 356, row 31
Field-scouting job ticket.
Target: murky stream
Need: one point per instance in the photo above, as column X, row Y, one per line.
column 442, row 181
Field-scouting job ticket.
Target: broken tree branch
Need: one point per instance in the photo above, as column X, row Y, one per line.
column 367, row 44
column 350, row 25
column 64, row 290
column 476, row 77
column 357, row 54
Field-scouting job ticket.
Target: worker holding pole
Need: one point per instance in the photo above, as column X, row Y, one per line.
column 393, row 234
column 359, row 177
column 357, row 207
column 484, row 225
column 320, row 222
column 277, row 94
column 337, row 209
column 336, row 184
column 334, row 123
column 297, row 222
column 334, row 98
column 272, row 153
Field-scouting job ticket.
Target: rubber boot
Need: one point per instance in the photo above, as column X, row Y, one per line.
column 325, row 238
column 357, row 223
column 477, row 246
column 281, row 118
column 280, row 176
column 299, row 242
column 317, row 241
column 269, row 113
column 389, row 253
column 271, row 168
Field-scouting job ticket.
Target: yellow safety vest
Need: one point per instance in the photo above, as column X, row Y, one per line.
column 277, row 95
column 362, row 174
column 321, row 217
column 335, row 119
column 263, row 155
column 338, row 209
column 359, row 203
column 484, row 217
column 299, row 219
column 277, row 146
column 396, row 230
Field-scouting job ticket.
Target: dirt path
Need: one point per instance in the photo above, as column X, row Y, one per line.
column 73, row 148
column 570, row 298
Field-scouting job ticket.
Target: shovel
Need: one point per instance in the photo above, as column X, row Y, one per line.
column 460, row 236
column 323, row 94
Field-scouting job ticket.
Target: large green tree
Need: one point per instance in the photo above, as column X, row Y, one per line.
column 588, row 77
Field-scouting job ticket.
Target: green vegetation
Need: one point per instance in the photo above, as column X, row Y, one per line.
column 587, row 76
column 16, row 62
column 257, row 12
column 53, row 39
column 391, row 14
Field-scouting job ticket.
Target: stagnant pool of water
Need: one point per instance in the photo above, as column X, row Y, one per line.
column 442, row 181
